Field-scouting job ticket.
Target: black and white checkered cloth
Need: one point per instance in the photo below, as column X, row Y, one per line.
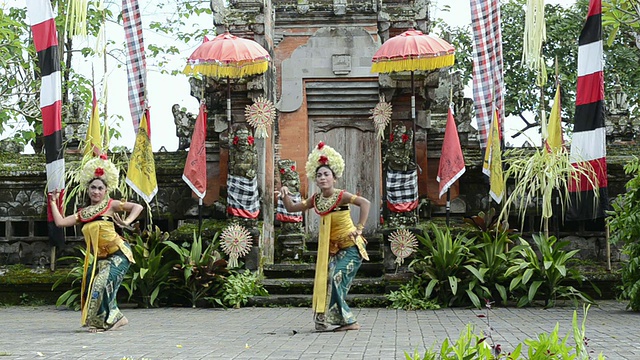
column 291, row 217
column 242, row 197
column 402, row 189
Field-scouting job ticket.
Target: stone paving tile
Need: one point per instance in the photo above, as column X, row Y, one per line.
column 287, row 333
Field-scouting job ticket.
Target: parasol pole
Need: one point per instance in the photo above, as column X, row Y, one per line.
column 229, row 103
column 413, row 120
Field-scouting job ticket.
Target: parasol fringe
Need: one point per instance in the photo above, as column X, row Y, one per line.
column 234, row 71
column 424, row 64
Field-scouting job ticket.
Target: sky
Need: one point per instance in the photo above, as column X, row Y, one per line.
column 165, row 90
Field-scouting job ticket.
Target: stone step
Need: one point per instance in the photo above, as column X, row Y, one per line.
column 354, row 300
column 374, row 255
column 308, row 270
column 304, row 286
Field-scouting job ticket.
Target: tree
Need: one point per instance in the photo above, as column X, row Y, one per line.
column 624, row 14
column 522, row 97
column 19, row 80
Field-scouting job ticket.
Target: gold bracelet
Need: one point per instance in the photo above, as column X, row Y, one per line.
column 304, row 202
column 360, row 227
column 353, row 198
column 122, row 202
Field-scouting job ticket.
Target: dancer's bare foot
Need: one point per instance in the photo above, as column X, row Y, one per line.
column 94, row 330
column 120, row 323
column 354, row 326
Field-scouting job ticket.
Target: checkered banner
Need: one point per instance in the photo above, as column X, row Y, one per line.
column 289, row 217
column 488, row 79
column 242, row 197
column 136, row 60
column 402, row 190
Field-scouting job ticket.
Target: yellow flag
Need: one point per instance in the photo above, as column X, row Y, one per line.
column 93, row 140
column 492, row 164
column 141, row 175
column 554, row 138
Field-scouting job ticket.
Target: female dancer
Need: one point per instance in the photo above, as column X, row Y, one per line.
column 111, row 254
column 341, row 246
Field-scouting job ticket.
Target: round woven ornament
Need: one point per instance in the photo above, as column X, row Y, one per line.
column 381, row 116
column 260, row 115
column 403, row 244
column 236, row 242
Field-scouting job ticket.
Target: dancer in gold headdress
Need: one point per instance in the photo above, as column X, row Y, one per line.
column 341, row 247
column 111, row 253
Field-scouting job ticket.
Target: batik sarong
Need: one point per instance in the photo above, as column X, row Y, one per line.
column 102, row 310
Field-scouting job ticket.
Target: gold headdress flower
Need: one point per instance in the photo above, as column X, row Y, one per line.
column 100, row 168
column 324, row 155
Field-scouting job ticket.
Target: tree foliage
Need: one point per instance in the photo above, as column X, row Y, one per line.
column 522, row 97
column 170, row 32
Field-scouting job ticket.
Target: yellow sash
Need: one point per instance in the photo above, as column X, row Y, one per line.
column 102, row 240
column 335, row 230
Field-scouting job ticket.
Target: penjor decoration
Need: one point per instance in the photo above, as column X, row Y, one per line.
column 260, row 115
column 403, row 244
column 381, row 116
column 236, row 242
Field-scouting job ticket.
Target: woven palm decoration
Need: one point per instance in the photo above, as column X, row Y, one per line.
column 260, row 115
column 381, row 116
column 236, row 242
column 403, row 244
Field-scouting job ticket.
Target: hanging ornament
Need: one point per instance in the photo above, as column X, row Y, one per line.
column 260, row 115
column 236, row 242
column 403, row 244
column 381, row 115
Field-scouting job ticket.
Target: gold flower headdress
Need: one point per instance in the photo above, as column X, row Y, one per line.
column 324, row 155
column 100, row 168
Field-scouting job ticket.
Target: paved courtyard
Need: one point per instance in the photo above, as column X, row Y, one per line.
column 286, row 333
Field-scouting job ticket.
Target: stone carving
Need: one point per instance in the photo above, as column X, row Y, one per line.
column 620, row 126
column 243, row 157
column 399, row 155
column 185, row 122
column 289, row 177
column 76, row 120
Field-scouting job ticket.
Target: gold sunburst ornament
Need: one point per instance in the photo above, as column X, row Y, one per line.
column 260, row 115
column 381, row 116
column 236, row 242
column 403, row 244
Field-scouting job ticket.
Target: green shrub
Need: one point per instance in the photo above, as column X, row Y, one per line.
column 71, row 298
column 545, row 276
column 440, row 262
column 148, row 276
column 624, row 224
column 199, row 273
column 411, row 296
column 241, row 286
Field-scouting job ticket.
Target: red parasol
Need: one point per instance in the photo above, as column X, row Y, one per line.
column 413, row 51
column 228, row 56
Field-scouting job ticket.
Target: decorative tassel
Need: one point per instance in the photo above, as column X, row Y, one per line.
column 535, row 34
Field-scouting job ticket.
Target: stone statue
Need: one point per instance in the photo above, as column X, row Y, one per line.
column 243, row 157
column 289, row 177
column 185, row 122
column 399, row 154
column 76, row 121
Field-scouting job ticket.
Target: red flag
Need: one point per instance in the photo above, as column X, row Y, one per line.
column 451, row 160
column 588, row 145
column 195, row 169
column 45, row 38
